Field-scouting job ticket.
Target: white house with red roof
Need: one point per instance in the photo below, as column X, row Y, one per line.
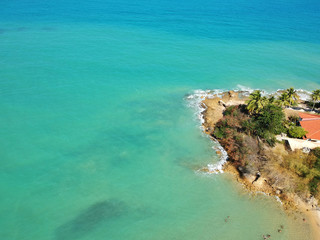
column 310, row 123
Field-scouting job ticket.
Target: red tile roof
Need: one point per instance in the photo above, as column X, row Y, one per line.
column 311, row 123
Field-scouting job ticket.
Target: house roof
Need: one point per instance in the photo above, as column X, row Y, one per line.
column 311, row 123
column 308, row 116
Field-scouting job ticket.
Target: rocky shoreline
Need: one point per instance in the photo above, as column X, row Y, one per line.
column 213, row 107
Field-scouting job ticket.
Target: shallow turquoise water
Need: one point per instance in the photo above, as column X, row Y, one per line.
column 97, row 139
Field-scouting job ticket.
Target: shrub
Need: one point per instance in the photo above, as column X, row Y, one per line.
column 299, row 168
column 296, row 132
column 311, row 159
column 316, row 152
column 271, row 119
column 230, row 111
column 317, row 164
column 271, row 141
column 313, row 185
column 248, row 127
column 294, row 119
column 219, row 132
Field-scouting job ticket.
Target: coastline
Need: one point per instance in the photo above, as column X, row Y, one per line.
column 212, row 107
column 313, row 218
column 311, row 214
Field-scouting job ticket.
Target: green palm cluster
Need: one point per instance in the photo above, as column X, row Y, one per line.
column 257, row 102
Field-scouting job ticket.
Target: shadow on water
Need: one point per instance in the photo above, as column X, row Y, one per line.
column 18, row 29
column 94, row 216
column 21, row 29
column 49, row 29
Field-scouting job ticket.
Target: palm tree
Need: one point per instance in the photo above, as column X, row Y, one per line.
column 256, row 102
column 283, row 100
column 315, row 96
column 293, row 97
column 271, row 100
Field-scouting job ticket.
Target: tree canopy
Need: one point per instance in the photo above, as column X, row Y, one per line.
column 271, row 118
column 256, row 102
column 288, row 98
column 292, row 95
column 315, row 96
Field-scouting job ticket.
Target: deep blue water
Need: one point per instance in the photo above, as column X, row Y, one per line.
column 236, row 19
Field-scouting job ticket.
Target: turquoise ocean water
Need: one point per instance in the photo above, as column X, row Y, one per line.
column 97, row 139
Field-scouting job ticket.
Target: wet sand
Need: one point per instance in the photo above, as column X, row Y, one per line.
column 312, row 217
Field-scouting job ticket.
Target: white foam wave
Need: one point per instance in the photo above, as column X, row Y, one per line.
column 245, row 89
column 218, row 167
column 278, row 200
column 303, row 94
column 195, row 101
column 260, row 192
column 267, row 195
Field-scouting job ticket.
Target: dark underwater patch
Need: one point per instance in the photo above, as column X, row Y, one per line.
column 49, row 29
column 18, row 29
column 91, row 218
column 21, row 29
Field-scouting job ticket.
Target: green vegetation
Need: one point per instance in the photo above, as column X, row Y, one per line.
column 306, row 168
column 270, row 119
column 247, row 133
column 283, row 100
column 229, row 130
column 288, row 98
column 314, row 186
column 315, row 97
column 294, row 120
column 266, row 117
column 296, row 132
column 264, row 125
column 292, row 95
column 256, row 102
column 271, row 100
